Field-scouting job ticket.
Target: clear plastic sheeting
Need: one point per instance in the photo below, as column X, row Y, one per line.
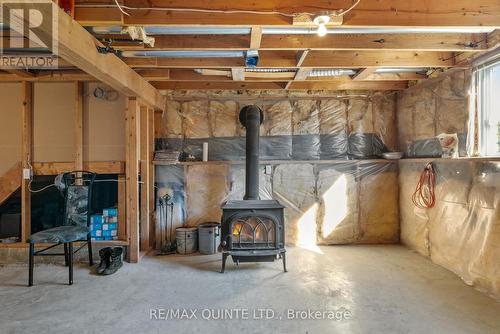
column 170, row 181
column 305, row 118
column 325, row 203
column 195, row 119
column 174, row 119
column 277, row 119
column 207, row 186
column 223, row 118
column 294, row 128
column 237, row 183
column 462, row 231
column 440, row 105
column 333, row 117
column 331, row 203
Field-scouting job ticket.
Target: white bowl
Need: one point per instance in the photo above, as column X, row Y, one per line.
column 392, row 155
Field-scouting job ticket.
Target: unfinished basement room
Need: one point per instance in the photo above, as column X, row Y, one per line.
column 215, row 166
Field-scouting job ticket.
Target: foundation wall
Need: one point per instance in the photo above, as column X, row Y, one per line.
column 462, row 231
column 321, row 148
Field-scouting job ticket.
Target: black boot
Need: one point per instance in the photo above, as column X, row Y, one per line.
column 105, row 254
column 115, row 261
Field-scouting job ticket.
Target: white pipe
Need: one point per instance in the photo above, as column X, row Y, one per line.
column 160, row 30
column 182, row 54
column 331, row 72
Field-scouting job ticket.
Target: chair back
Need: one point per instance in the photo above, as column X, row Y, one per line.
column 78, row 197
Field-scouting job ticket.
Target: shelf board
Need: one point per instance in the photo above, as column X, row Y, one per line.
column 269, row 162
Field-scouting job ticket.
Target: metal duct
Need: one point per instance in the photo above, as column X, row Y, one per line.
column 251, row 118
column 160, row 30
column 182, row 54
column 270, row 70
column 401, row 70
column 331, row 72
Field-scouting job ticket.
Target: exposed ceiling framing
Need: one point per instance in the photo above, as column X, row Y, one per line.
column 374, row 35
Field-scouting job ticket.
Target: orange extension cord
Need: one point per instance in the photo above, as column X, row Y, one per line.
column 424, row 196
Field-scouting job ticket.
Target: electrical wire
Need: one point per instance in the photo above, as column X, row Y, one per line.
column 424, row 196
column 122, row 9
column 39, row 190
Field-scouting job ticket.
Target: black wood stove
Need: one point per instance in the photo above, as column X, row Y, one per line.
column 253, row 230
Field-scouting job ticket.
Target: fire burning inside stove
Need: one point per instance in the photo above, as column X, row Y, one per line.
column 253, row 230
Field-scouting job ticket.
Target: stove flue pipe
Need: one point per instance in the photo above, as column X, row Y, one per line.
column 251, row 118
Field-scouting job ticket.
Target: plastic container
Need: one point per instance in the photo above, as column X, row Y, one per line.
column 187, row 240
column 209, row 237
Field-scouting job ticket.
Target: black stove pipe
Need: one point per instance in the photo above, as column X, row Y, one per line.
column 251, row 117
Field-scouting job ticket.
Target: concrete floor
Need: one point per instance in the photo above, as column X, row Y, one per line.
column 385, row 289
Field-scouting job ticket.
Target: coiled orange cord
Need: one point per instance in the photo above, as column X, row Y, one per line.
column 424, row 196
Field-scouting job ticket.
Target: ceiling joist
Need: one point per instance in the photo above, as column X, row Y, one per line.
column 315, row 59
column 389, row 42
column 431, row 13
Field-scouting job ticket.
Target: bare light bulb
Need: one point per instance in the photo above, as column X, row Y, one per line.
column 322, row 30
column 322, row 21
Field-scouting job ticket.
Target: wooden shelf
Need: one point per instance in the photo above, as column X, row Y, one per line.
column 475, row 159
column 269, row 162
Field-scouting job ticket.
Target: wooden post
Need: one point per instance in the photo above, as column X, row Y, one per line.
column 145, row 185
column 151, row 189
column 79, row 125
column 121, row 207
column 132, row 177
column 26, row 156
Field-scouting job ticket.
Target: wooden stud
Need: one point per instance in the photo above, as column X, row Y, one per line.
column 79, row 125
column 255, row 37
column 301, row 56
column 27, row 157
column 121, row 208
column 132, row 177
column 151, row 189
column 145, row 179
column 363, row 73
column 302, row 74
column 101, row 167
column 238, row 74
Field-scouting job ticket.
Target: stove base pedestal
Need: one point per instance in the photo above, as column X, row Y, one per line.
column 254, row 256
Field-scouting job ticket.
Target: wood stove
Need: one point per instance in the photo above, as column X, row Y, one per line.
column 253, row 230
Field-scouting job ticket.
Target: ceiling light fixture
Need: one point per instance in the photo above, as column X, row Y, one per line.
column 321, row 21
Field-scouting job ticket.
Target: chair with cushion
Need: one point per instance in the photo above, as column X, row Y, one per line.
column 76, row 187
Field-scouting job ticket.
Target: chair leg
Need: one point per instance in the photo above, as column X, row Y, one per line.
column 66, row 260
column 89, row 245
column 70, row 255
column 31, row 264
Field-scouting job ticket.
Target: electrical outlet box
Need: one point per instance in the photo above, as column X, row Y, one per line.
column 268, row 170
column 26, row 173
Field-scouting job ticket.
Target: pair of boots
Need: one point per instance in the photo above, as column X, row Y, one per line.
column 111, row 260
